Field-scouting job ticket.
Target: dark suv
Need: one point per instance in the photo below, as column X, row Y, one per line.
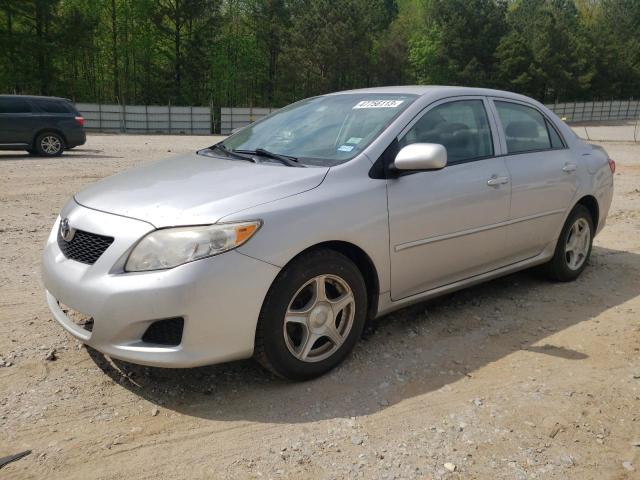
column 40, row 125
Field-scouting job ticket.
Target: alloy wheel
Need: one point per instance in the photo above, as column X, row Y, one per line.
column 50, row 144
column 319, row 318
column 577, row 245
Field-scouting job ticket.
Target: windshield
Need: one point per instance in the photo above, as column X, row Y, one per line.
column 323, row 131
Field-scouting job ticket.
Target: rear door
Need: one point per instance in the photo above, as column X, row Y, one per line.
column 446, row 225
column 543, row 176
column 16, row 121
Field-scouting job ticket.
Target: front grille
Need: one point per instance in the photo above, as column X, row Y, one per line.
column 165, row 332
column 84, row 247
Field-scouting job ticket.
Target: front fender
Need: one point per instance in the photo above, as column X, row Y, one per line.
column 348, row 206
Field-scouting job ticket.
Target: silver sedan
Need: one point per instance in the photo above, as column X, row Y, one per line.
column 282, row 240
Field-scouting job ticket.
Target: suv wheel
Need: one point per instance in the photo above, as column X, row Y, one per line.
column 312, row 316
column 573, row 248
column 49, row 144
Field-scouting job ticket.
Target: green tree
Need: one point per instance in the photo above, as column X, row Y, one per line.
column 458, row 42
column 546, row 53
column 272, row 52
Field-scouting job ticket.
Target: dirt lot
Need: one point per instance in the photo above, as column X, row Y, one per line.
column 516, row 379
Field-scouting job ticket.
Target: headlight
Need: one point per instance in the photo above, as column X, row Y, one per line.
column 170, row 247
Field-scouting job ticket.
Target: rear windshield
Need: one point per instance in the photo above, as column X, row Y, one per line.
column 325, row 130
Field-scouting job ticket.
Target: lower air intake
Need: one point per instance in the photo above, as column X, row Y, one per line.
column 165, row 332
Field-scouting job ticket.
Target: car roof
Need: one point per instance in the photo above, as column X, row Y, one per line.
column 36, row 97
column 437, row 90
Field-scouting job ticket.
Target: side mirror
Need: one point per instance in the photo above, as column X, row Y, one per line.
column 421, row 156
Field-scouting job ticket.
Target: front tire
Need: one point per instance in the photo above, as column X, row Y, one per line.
column 312, row 316
column 573, row 248
column 49, row 144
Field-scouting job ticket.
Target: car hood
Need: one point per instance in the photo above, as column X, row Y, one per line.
column 196, row 189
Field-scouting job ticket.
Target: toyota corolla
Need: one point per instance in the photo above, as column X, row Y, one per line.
column 282, row 240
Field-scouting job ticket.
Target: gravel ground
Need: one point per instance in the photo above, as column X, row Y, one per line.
column 514, row 379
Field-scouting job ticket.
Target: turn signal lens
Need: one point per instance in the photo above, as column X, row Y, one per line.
column 80, row 121
column 244, row 232
column 612, row 166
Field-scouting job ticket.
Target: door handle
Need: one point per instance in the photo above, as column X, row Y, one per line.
column 569, row 167
column 496, row 181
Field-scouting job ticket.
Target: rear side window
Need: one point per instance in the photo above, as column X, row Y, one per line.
column 14, row 105
column 525, row 128
column 461, row 126
column 556, row 141
column 52, row 106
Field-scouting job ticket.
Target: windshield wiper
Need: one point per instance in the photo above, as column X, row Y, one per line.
column 230, row 153
column 285, row 159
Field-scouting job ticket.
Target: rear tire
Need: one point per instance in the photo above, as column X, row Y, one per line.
column 573, row 248
column 312, row 316
column 49, row 144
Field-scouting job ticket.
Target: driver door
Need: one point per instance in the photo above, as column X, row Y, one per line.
column 448, row 225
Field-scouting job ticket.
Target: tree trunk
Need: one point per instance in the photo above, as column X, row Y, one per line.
column 114, row 51
column 41, row 54
column 177, row 44
column 10, row 48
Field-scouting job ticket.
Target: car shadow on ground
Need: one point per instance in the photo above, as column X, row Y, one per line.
column 76, row 154
column 414, row 351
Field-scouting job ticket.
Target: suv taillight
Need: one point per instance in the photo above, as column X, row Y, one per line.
column 612, row 166
column 80, row 121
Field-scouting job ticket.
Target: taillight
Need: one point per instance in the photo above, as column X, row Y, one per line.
column 612, row 166
column 80, row 121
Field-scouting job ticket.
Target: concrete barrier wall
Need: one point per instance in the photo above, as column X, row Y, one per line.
column 620, row 132
column 232, row 118
column 609, row 110
column 200, row 120
column 146, row 118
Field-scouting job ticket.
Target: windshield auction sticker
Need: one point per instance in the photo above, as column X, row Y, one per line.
column 378, row 104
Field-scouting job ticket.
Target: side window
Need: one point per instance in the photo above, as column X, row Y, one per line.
column 14, row 105
column 556, row 141
column 525, row 128
column 51, row 106
column 461, row 126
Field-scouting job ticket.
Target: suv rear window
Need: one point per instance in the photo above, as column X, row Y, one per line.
column 14, row 105
column 52, row 106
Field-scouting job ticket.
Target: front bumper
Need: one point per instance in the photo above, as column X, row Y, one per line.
column 219, row 297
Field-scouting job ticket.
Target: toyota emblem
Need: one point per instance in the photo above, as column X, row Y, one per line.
column 66, row 232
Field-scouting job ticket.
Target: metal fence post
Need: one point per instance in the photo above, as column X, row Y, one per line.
column 100, row 117
column 626, row 116
column 170, row 127
column 212, row 123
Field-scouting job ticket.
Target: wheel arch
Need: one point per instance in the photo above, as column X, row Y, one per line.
column 49, row 130
column 591, row 203
column 362, row 261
